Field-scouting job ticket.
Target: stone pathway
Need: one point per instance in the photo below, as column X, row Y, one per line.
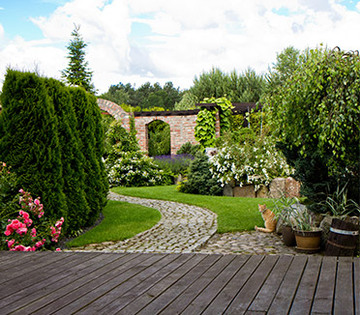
column 184, row 229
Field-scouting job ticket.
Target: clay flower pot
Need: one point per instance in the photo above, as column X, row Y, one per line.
column 308, row 241
column 288, row 235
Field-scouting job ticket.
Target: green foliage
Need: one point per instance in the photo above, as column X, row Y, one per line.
column 122, row 220
column 175, row 164
column 29, row 139
column 88, row 123
column 188, row 101
column 244, row 87
column 159, row 138
column 205, row 129
column 77, row 72
column 316, row 117
column 189, row 148
column 8, row 192
column 200, row 179
column 248, row 160
column 135, row 169
column 145, row 97
column 225, row 111
column 118, row 139
column 71, row 156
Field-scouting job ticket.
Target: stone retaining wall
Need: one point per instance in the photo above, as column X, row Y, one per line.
column 278, row 187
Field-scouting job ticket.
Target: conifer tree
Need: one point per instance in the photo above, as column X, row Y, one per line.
column 86, row 126
column 71, row 156
column 77, row 73
column 29, row 140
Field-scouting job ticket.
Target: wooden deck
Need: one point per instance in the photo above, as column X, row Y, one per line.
column 100, row 283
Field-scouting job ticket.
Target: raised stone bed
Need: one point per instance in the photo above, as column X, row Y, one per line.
column 278, row 187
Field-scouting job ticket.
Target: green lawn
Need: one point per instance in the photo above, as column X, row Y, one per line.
column 121, row 221
column 234, row 214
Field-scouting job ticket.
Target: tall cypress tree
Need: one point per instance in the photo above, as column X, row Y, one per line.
column 86, row 126
column 71, row 156
column 29, row 139
column 77, row 73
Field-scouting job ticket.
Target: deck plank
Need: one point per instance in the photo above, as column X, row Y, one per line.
column 95, row 283
column 269, row 289
column 15, row 289
column 201, row 302
column 71, row 297
column 125, row 293
column 156, row 290
column 306, row 290
column 343, row 299
column 200, row 265
column 324, row 295
column 224, row 298
column 191, row 292
column 89, row 269
column 284, row 297
column 249, row 291
column 356, row 278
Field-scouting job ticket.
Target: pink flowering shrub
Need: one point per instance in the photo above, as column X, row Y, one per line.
column 30, row 231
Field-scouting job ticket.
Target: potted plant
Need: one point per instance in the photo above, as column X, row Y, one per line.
column 308, row 237
column 284, row 211
column 343, row 234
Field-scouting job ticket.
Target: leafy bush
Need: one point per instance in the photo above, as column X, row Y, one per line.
column 8, row 191
column 315, row 114
column 29, row 231
column 189, row 148
column 176, row 164
column 136, row 169
column 200, row 179
column 254, row 162
column 159, row 138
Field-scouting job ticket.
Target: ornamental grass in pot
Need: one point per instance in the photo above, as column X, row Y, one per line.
column 308, row 237
column 343, row 233
column 284, row 211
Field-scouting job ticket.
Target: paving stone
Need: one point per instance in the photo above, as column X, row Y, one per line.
column 185, row 229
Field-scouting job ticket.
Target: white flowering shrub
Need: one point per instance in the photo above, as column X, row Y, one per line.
column 135, row 169
column 249, row 163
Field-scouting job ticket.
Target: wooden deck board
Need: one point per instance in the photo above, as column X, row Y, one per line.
column 343, row 300
column 94, row 283
column 324, row 295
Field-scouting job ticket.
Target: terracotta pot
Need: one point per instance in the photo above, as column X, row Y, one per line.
column 308, row 241
column 288, row 235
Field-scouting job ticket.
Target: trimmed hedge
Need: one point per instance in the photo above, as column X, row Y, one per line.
column 51, row 135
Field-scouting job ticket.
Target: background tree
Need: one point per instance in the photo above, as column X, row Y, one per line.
column 316, row 117
column 159, row 138
column 77, row 73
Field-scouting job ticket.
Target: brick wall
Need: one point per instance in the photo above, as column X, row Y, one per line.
column 182, row 124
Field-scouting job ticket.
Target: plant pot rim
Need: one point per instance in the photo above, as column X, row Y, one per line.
column 313, row 232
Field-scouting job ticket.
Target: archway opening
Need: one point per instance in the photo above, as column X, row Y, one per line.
column 158, row 133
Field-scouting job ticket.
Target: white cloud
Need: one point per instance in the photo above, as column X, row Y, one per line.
column 185, row 38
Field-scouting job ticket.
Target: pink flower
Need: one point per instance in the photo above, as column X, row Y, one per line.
column 58, row 250
column 10, row 243
column 37, row 202
column 7, row 232
column 21, row 230
column 19, row 248
column 4, row 164
column 33, row 232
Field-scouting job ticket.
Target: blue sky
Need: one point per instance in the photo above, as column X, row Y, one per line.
column 137, row 41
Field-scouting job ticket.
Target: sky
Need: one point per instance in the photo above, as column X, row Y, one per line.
column 138, row 41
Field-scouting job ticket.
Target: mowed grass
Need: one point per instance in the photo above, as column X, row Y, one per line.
column 234, row 214
column 121, row 221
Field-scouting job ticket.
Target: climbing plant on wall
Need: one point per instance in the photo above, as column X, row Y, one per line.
column 205, row 130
